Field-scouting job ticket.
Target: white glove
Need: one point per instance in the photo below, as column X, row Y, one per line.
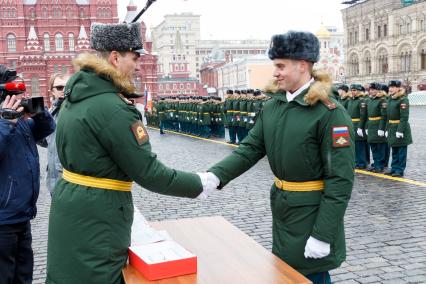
column 381, row 133
column 399, row 134
column 359, row 132
column 316, row 249
column 366, row 132
column 386, row 134
column 210, row 183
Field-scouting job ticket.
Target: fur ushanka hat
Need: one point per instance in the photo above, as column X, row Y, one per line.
column 295, row 45
column 117, row 37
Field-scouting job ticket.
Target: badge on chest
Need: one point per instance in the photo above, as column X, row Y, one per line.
column 340, row 135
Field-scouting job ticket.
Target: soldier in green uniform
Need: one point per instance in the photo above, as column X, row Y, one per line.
column 103, row 147
column 344, row 95
column 357, row 108
column 308, row 139
column 398, row 128
column 229, row 112
column 375, row 126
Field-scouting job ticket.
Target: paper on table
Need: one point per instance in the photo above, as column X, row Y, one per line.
column 143, row 233
column 161, row 252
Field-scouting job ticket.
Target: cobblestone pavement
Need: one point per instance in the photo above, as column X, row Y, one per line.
column 385, row 220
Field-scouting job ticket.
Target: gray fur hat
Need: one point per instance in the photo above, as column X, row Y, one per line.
column 118, row 37
column 295, row 45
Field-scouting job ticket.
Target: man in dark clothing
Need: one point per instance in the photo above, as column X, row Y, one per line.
column 19, row 186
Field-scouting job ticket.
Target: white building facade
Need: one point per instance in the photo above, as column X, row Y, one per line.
column 385, row 40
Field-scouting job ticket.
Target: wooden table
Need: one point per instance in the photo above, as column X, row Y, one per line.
column 225, row 255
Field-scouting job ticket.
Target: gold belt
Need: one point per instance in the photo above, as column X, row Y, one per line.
column 394, row 121
column 299, row 185
column 356, row 119
column 104, row 183
column 375, row 118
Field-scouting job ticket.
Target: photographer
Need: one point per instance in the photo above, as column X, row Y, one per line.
column 20, row 179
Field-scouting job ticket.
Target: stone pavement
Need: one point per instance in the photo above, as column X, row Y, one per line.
column 385, row 221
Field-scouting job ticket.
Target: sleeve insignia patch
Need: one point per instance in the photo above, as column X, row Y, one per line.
column 140, row 132
column 340, row 135
column 403, row 106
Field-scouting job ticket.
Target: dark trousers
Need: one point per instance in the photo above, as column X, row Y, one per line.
column 319, row 278
column 361, row 154
column 241, row 133
column 161, row 127
column 16, row 254
column 399, row 159
column 387, row 154
column 232, row 134
column 378, row 150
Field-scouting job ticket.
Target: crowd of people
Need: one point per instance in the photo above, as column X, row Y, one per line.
column 380, row 114
column 209, row 116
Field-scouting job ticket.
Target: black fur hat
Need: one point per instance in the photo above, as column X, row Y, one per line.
column 374, row 86
column 357, row 87
column 343, row 87
column 117, row 37
column 295, row 45
column 394, row 83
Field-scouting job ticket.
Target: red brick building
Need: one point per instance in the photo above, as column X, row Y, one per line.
column 38, row 38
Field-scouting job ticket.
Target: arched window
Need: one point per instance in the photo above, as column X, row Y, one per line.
column 44, row 12
column 46, row 40
column 59, row 42
column 35, row 86
column 64, row 69
column 382, row 62
column 69, row 13
column 367, row 64
column 71, row 41
column 423, row 60
column 32, row 13
column 81, row 12
column 11, row 43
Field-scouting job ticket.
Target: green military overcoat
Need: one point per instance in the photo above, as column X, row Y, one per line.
column 375, row 118
column 89, row 227
column 302, row 141
column 398, row 110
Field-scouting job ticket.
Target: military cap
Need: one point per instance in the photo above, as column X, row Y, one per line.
column 116, row 37
column 394, row 83
column 295, row 45
column 243, row 91
column 257, row 92
column 250, row 91
column 237, row 92
column 343, row 87
column 357, row 87
column 384, row 87
column 229, row 92
column 374, row 86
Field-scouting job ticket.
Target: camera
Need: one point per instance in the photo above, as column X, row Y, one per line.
column 9, row 86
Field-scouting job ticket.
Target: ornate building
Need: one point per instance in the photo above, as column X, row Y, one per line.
column 40, row 37
column 385, row 40
column 331, row 52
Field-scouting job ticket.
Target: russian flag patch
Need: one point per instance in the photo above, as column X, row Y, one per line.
column 340, row 136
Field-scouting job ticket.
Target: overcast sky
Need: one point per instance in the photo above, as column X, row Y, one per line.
column 243, row 19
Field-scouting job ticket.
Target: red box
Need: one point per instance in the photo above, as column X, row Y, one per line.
column 159, row 269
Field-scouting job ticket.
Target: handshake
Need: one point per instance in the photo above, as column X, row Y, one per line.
column 210, row 183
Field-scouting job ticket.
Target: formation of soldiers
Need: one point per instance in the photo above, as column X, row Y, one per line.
column 380, row 118
column 208, row 116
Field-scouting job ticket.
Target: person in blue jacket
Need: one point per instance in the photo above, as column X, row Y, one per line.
column 19, row 186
